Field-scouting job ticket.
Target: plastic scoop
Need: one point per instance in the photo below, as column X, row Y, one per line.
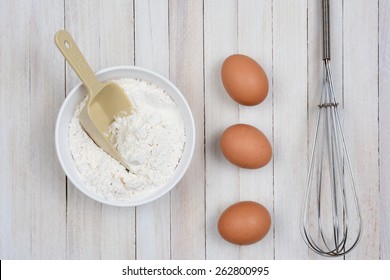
column 106, row 100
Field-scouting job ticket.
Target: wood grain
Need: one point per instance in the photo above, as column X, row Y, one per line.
column 361, row 131
column 15, row 98
column 384, row 128
column 186, row 72
column 47, row 94
column 222, row 178
column 290, row 125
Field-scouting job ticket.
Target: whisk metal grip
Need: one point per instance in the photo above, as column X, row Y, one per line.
column 326, row 29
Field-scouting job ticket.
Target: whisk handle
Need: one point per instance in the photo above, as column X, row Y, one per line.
column 326, row 29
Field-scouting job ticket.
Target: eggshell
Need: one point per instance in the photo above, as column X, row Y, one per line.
column 244, row 223
column 244, row 80
column 246, row 146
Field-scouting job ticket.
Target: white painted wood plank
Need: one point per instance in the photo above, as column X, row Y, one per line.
column 116, row 33
column 47, row 88
column 83, row 226
column 84, row 215
column 315, row 77
column 255, row 40
column 361, row 115
column 290, row 125
column 186, row 71
column 384, row 128
column 222, row 180
column 152, row 52
column 117, row 48
column 118, row 233
column 15, row 116
column 315, row 67
column 151, row 36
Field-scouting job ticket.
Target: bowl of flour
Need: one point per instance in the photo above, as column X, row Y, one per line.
column 157, row 140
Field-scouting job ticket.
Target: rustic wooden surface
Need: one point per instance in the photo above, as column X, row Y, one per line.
column 43, row 216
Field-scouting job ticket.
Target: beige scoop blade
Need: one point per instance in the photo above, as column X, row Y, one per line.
column 105, row 101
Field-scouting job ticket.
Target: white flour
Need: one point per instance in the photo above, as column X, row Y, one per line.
column 151, row 140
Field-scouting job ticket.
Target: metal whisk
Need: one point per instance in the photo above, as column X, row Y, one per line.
column 330, row 223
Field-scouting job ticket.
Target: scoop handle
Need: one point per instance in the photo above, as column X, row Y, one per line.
column 75, row 58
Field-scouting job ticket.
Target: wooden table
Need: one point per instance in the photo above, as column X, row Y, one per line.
column 43, row 216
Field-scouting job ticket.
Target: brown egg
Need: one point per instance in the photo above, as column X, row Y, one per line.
column 246, row 146
column 244, row 80
column 244, row 223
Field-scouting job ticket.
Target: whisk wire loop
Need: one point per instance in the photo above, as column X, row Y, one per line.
column 327, row 230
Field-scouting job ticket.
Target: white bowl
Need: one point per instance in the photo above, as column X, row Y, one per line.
column 77, row 95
